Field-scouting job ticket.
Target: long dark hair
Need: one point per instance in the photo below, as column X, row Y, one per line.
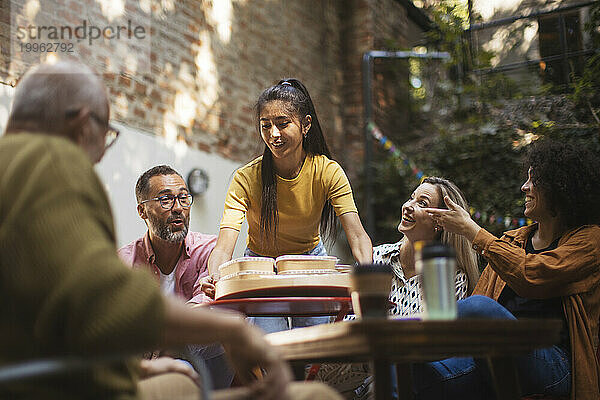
column 298, row 102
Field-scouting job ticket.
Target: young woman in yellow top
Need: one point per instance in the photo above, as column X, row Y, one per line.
column 292, row 193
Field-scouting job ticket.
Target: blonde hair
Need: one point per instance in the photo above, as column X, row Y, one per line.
column 466, row 258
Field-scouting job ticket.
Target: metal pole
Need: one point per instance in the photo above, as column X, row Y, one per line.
column 367, row 70
column 563, row 48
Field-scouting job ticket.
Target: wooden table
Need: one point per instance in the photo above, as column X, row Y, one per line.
column 385, row 342
column 291, row 307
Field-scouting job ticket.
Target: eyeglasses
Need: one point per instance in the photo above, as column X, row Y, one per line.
column 111, row 133
column 168, row 200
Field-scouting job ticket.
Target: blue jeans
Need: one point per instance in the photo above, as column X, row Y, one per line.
column 318, row 250
column 542, row 371
column 216, row 363
column 278, row 324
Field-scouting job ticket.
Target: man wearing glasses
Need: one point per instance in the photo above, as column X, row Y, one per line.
column 65, row 293
column 173, row 254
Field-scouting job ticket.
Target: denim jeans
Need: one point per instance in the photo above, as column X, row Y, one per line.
column 215, row 362
column 542, row 371
column 278, row 324
column 318, row 250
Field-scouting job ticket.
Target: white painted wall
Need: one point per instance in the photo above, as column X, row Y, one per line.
column 135, row 152
column 6, row 95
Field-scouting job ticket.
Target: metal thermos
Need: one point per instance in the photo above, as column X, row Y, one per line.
column 436, row 262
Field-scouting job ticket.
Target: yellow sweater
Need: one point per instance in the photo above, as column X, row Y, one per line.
column 64, row 290
column 300, row 202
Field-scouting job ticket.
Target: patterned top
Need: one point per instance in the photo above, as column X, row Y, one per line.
column 406, row 293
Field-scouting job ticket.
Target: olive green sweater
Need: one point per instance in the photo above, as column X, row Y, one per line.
column 63, row 290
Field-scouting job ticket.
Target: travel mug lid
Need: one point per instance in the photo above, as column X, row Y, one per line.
column 382, row 268
column 436, row 249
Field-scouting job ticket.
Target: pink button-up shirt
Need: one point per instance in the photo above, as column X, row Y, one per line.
column 190, row 268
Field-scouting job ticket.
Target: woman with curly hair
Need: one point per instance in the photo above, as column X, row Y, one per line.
column 550, row 269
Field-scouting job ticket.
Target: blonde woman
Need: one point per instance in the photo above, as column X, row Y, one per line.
column 416, row 224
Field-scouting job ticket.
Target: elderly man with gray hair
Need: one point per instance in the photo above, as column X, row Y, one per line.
column 64, row 290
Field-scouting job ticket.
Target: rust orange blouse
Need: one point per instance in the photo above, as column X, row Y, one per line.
column 571, row 271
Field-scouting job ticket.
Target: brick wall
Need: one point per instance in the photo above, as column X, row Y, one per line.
column 358, row 38
column 210, row 60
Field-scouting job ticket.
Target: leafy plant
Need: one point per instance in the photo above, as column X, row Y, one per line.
column 475, row 131
column 586, row 88
column 487, row 167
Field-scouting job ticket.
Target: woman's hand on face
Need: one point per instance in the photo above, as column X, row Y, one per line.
column 455, row 219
